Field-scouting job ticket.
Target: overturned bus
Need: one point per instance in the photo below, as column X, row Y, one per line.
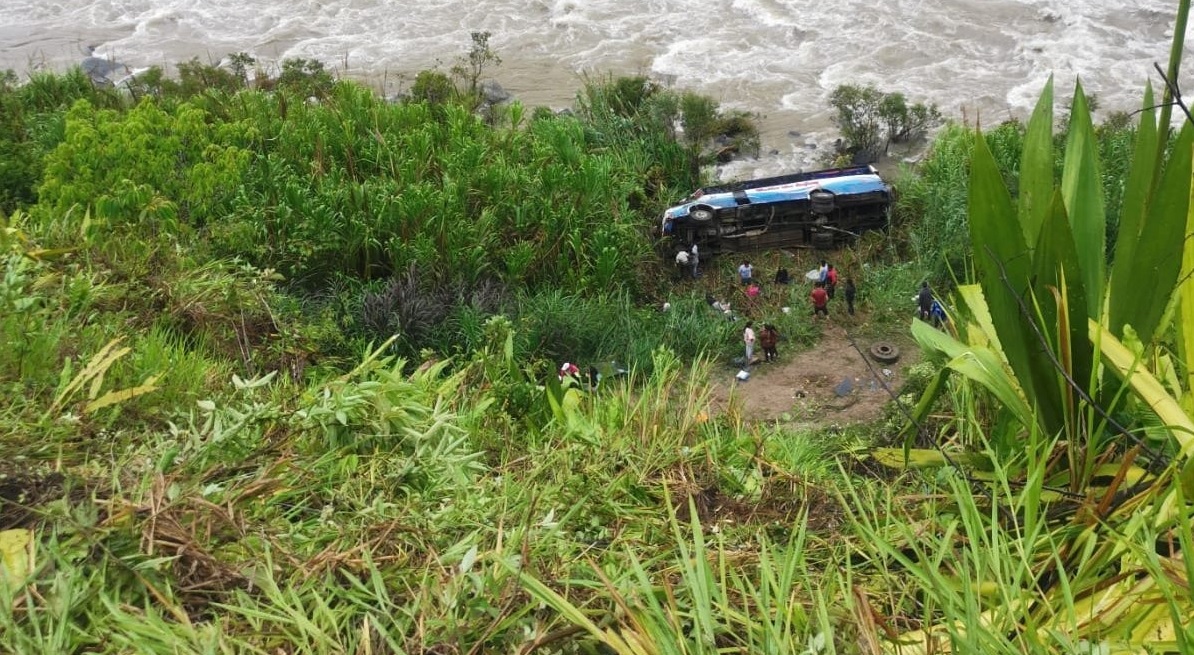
column 822, row 209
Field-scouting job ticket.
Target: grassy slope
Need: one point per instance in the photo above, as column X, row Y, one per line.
column 236, row 496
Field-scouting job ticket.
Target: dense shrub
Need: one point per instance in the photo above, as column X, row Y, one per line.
column 870, row 119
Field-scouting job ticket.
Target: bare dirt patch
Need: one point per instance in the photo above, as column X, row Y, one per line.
column 828, row 384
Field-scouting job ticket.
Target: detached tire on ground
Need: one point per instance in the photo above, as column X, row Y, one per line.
column 885, row 352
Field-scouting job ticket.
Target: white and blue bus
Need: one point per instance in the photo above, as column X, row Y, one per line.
column 823, row 209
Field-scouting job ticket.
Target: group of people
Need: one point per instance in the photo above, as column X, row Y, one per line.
column 767, row 338
column 825, row 289
column 929, row 309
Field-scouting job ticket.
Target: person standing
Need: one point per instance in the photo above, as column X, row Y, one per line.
column 823, row 272
column 695, row 258
column 748, row 338
column 851, row 292
column 746, row 273
column 682, row 261
column 831, row 281
column 820, row 299
column 924, row 300
column 768, row 338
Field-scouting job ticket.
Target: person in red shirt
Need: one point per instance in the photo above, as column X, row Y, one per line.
column 831, row 281
column 820, row 298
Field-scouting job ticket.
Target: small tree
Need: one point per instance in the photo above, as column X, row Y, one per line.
column 859, row 116
column 698, row 115
column 921, row 118
column 894, row 110
column 240, row 63
column 471, row 67
column 869, row 117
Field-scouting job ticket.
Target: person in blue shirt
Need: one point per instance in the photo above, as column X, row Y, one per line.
column 937, row 314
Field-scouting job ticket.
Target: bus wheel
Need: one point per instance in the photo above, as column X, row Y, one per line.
column 823, row 240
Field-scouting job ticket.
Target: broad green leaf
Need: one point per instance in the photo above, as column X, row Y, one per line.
column 1036, row 167
column 1159, row 252
column 923, row 458
column 1137, row 191
column 979, row 364
column 1004, row 270
column 1150, row 390
column 972, row 296
column 1082, row 188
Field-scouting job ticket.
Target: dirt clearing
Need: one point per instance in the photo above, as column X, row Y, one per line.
column 828, row 384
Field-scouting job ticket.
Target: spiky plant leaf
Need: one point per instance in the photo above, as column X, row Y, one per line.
column 1127, row 365
column 1137, row 191
column 1004, row 267
column 1058, row 290
column 1082, row 188
column 1184, row 325
column 1036, row 166
column 1158, row 256
column 979, row 364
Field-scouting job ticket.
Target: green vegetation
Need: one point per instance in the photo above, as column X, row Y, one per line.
column 280, row 365
column 871, row 120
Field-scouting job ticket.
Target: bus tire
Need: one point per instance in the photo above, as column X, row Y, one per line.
column 885, row 352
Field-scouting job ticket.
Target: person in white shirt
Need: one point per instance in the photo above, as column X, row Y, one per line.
column 745, row 273
column 748, row 337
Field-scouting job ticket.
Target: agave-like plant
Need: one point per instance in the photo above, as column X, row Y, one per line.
column 1077, row 358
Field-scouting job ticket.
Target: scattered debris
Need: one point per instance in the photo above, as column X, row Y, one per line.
column 844, row 388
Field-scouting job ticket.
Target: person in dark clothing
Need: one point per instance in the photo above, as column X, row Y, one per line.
column 851, row 292
column 924, row 301
column 768, row 338
column 782, row 276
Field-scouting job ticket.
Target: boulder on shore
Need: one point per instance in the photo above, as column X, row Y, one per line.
column 102, row 71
